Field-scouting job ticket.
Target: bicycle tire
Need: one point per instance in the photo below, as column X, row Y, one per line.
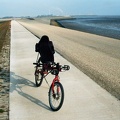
column 56, row 98
column 38, row 78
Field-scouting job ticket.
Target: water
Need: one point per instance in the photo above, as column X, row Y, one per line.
column 108, row 26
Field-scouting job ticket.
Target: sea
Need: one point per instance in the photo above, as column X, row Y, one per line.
column 108, row 26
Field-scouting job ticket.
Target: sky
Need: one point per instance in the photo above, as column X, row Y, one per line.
column 18, row 8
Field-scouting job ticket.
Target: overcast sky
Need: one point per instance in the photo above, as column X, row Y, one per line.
column 58, row 7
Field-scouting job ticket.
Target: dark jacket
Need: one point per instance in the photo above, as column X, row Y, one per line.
column 46, row 50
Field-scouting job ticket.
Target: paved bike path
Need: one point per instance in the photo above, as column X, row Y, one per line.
column 84, row 99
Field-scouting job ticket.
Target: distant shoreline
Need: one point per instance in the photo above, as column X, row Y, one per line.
column 56, row 22
column 83, row 28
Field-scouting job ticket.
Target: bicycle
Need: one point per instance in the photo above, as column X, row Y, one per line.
column 56, row 91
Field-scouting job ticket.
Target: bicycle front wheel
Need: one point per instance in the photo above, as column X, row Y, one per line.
column 38, row 78
column 56, row 96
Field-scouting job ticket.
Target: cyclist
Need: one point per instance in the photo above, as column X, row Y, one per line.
column 46, row 50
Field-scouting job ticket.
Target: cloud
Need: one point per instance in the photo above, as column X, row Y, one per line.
column 56, row 11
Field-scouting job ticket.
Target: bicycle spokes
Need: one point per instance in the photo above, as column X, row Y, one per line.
column 38, row 78
column 56, row 96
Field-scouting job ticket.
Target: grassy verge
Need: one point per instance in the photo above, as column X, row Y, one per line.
column 4, row 69
column 4, row 27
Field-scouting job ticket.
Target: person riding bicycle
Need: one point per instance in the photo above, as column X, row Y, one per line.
column 46, row 50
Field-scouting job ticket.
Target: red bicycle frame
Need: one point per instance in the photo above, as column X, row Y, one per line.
column 56, row 79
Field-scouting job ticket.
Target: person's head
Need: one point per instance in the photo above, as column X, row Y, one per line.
column 44, row 38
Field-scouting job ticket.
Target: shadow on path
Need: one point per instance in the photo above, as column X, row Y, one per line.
column 18, row 82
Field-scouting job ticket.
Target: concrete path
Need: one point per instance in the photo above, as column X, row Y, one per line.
column 84, row 99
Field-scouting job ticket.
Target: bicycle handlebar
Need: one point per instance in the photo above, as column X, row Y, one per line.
column 54, row 66
column 50, row 63
column 66, row 67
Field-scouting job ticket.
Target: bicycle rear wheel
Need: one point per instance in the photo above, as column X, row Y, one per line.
column 56, row 96
column 38, row 77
